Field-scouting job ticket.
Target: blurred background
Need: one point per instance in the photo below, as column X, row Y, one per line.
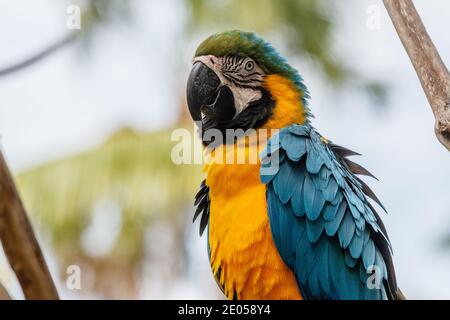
column 86, row 131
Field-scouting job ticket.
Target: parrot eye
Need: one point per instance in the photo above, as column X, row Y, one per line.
column 249, row 65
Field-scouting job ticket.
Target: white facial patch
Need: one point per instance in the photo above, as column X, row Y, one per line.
column 242, row 96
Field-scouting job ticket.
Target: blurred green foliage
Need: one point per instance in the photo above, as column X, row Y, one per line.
column 97, row 14
column 132, row 169
column 304, row 26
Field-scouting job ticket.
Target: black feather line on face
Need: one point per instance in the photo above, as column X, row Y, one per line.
column 253, row 116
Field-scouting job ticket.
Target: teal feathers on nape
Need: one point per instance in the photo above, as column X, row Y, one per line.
column 250, row 44
column 322, row 222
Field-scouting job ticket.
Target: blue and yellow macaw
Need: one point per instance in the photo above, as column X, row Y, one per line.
column 296, row 223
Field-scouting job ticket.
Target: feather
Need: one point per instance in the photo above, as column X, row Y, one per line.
column 368, row 254
column 266, row 178
column 363, row 275
column 326, row 195
column 275, row 209
column 337, row 199
column 272, row 146
column 333, row 226
column 309, row 191
column 358, row 169
column 342, row 151
column 329, row 211
column 356, row 246
column 302, row 249
column 200, row 196
column 352, row 199
column 297, row 195
column 314, row 229
column 349, row 260
column 204, row 222
column 287, row 235
column 344, row 278
column 313, row 282
column 346, row 230
column 204, row 190
column 323, row 266
column 200, row 209
column 295, row 147
column 379, row 221
column 285, row 181
column 330, row 191
column 317, row 206
column 202, row 202
column 368, row 192
column 379, row 262
column 313, row 161
column 299, row 130
column 360, row 224
column 321, row 180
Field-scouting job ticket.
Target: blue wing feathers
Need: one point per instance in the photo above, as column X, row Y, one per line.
column 346, row 230
column 297, row 197
column 331, row 190
column 314, row 229
column 284, row 181
column 349, row 260
column 356, row 246
column 296, row 147
column 329, row 212
column 309, row 192
column 369, row 254
column 333, row 226
column 322, row 223
column 314, row 161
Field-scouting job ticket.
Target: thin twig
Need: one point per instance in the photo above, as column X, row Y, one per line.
column 67, row 39
column 19, row 242
column 430, row 68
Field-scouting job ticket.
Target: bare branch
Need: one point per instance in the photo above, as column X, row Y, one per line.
column 430, row 68
column 19, row 242
column 61, row 43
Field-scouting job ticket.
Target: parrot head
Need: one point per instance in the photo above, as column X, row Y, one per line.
column 237, row 79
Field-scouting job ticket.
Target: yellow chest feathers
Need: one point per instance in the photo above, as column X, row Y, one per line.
column 244, row 258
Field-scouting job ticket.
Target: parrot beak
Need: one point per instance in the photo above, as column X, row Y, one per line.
column 206, row 95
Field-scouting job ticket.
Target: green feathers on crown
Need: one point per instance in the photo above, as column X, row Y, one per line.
column 249, row 44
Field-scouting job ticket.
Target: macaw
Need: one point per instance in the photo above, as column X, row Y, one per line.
column 304, row 229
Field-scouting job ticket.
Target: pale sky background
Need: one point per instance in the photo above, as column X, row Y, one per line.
column 134, row 74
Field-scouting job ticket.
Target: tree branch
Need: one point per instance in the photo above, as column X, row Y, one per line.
column 19, row 242
column 61, row 43
column 430, row 68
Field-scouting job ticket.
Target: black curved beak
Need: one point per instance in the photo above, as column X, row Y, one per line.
column 206, row 95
